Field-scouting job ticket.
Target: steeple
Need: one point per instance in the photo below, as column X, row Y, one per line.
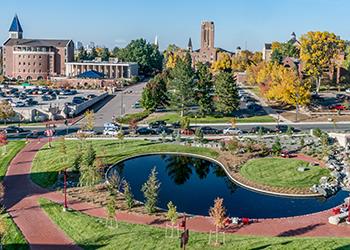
column 189, row 45
column 156, row 43
column 16, row 30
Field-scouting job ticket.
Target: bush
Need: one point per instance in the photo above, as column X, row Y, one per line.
column 134, row 79
column 136, row 117
column 233, row 145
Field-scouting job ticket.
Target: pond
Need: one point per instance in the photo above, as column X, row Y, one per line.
column 193, row 183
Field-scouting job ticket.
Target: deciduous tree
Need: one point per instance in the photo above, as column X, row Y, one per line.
column 318, row 50
column 218, row 214
column 6, row 111
column 223, row 63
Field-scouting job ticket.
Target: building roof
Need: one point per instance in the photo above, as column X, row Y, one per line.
column 91, row 74
column 15, row 25
column 189, row 45
column 37, row 42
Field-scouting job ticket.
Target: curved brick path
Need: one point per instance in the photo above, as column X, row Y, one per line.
column 21, row 200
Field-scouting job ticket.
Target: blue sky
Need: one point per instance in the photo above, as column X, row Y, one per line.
column 237, row 22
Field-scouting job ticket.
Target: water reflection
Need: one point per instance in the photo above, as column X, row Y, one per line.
column 192, row 184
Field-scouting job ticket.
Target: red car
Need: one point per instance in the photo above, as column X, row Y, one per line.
column 337, row 107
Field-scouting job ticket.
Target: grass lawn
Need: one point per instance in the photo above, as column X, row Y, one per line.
column 12, row 148
column 173, row 117
column 47, row 161
column 13, row 238
column 89, row 233
column 278, row 172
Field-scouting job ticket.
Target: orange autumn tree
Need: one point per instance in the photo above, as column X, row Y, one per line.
column 218, row 214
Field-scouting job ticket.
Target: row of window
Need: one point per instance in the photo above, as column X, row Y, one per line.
column 30, row 71
column 24, row 63
column 33, row 56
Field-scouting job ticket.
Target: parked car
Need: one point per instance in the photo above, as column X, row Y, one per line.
column 256, row 130
column 209, row 130
column 91, row 96
column 337, row 107
column 110, row 131
column 347, row 90
column 284, row 129
column 176, row 124
column 254, row 107
column 232, row 131
column 111, row 125
column 156, row 124
column 145, row 131
column 136, row 105
column 14, row 130
column 163, row 129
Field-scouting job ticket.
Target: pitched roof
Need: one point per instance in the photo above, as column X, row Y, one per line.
column 91, row 74
column 189, row 45
column 15, row 25
column 37, row 42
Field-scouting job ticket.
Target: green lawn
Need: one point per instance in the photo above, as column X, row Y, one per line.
column 278, row 172
column 11, row 149
column 173, row 117
column 90, row 233
column 47, row 161
column 13, row 239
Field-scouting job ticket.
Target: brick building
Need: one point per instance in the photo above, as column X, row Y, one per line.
column 34, row 59
column 207, row 53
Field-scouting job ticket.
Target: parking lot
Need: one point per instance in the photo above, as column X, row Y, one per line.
column 45, row 102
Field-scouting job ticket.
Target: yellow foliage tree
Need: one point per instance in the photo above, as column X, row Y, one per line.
column 223, row 63
column 275, row 45
column 172, row 58
column 318, row 50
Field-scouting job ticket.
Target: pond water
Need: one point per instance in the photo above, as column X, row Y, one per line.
column 192, row 184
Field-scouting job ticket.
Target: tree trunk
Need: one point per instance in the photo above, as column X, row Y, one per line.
column 318, row 84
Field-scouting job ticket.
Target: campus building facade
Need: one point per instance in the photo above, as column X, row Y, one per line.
column 34, row 59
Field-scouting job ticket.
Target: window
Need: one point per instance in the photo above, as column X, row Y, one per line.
column 39, row 57
column 24, row 63
column 19, row 63
column 39, row 64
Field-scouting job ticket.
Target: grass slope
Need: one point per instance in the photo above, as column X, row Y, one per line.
column 173, row 117
column 46, row 164
column 13, row 239
column 278, row 172
column 90, row 233
column 12, row 148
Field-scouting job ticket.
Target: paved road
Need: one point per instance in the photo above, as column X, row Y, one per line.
column 120, row 104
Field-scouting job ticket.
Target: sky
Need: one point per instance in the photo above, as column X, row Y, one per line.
column 245, row 23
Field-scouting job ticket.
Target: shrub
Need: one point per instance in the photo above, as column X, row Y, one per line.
column 136, row 116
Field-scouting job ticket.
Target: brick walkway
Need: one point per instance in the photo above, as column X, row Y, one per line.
column 21, row 200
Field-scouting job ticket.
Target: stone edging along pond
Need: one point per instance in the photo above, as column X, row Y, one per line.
column 235, row 178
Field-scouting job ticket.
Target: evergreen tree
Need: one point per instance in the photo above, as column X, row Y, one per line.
column 90, row 173
column 182, row 84
column 227, row 99
column 150, row 191
column 105, row 54
column 204, row 89
column 93, row 54
column 129, row 197
column 82, row 55
column 277, row 147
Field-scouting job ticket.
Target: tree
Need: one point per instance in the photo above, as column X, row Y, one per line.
column 90, row 172
column 129, row 197
column 198, row 135
column 104, row 54
column 227, row 99
column 172, row 215
column 204, row 89
column 89, row 120
column 3, row 142
column 276, row 56
column 182, row 84
column 223, row 63
column 93, row 54
column 78, row 157
column 150, row 191
column 171, row 60
column 145, row 54
column 277, row 147
column 6, row 111
column 155, row 93
column 111, row 208
column 115, row 51
column 185, row 123
column 82, row 55
column 318, row 50
column 218, row 214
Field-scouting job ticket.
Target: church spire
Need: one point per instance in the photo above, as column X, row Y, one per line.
column 189, row 45
column 16, row 30
column 156, row 43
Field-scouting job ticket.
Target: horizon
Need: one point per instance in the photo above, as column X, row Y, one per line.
column 248, row 24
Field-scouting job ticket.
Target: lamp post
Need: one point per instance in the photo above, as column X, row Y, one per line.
column 65, row 206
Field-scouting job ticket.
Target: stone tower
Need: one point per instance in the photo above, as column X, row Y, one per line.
column 207, row 35
column 189, row 45
column 15, row 30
